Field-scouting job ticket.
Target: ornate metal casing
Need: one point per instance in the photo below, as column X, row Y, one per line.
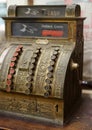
column 41, row 62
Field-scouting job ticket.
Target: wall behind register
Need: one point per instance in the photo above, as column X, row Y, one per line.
column 4, row 4
column 17, row 2
column 3, row 11
column 86, row 6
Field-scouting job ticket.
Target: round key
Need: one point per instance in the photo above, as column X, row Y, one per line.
column 47, row 87
column 53, row 57
column 9, row 76
column 28, row 85
column 12, row 71
column 12, row 64
column 46, row 94
column 13, row 59
column 16, row 54
column 55, row 53
column 9, row 82
column 50, row 68
column 56, row 49
column 37, row 51
column 32, row 66
column 48, row 81
column 50, row 75
column 34, row 55
column 29, row 78
column 52, row 63
column 18, row 49
column 33, row 60
column 31, row 72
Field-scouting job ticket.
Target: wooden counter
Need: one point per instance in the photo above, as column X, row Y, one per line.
column 81, row 120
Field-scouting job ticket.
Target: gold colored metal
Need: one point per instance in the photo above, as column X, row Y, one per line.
column 73, row 10
column 74, row 65
column 42, row 41
column 42, row 62
column 12, row 10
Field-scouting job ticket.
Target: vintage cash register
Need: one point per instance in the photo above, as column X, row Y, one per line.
column 41, row 62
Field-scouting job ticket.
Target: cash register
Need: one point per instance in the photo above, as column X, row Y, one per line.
column 41, row 62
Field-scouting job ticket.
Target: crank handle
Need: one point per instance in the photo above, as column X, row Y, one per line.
column 86, row 83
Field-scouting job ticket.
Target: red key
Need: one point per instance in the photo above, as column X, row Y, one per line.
column 12, row 64
column 18, row 50
column 9, row 76
column 12, row 71
column 13, row 59
column 16, row 54
column 9, row 82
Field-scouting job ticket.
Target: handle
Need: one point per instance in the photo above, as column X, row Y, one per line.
column 86, row 83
